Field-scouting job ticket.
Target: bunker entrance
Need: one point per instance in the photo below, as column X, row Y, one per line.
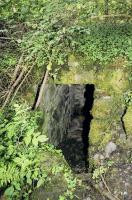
column 75, row 145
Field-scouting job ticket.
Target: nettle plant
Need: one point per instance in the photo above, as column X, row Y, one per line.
column 21, row 145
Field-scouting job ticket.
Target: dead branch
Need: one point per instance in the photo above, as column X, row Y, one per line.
column 4, row 94
column 105, row 184
column 12, row 88
column 16, row 70
column 5, row 38
column 103, row 192
column 42, row 88
column 21, row 83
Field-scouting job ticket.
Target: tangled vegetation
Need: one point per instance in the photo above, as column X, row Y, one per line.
column 40, row 36
column 36, row 40
column 22, row 151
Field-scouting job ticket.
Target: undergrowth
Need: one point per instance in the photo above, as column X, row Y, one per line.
column 21, row 144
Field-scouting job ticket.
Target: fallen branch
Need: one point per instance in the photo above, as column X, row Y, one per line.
column 103, row 192
column 19, row 86
column 14, row 76
column 105, row 184
column 4, row 94
column 12, row 88
column 5, row 38
column 42, row 89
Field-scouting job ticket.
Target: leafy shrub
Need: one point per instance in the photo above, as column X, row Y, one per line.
column 128, row 98
column 20, row 142
column 107, row 41
column 51, row 30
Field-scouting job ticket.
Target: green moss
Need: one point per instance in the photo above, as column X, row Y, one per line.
column 103, row 81
column 108, row 79
column 73, row 76
column 67, row 77
column 58, row 173
column 106, row 138
column 101, row 108
column 73, row 61
column 119, row 80
column 98, row 130
column 128, row 121
column 112, row 80
column 100, row 133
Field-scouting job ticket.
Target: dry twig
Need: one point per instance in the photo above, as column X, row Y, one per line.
column 11, row 89
column 16, row 70
column 19, row 86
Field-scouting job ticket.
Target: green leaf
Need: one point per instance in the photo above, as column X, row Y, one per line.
column 27, row 139
column 17, row 186
column 18, row 160
column 9, row 191
column 2, row 147
column 35, row 141
column 40, row 182
column 62, row 198
column 49, row 66
column 42, row 138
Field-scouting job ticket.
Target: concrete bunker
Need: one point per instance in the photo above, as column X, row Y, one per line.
column 69, row 122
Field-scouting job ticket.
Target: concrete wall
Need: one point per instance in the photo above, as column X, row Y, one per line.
column 59, row 105
column 56, row 106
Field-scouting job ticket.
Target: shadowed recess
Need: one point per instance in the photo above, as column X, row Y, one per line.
column 76, row 144
column 89, row 99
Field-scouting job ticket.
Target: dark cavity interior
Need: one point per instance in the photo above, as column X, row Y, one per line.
column 75, row 145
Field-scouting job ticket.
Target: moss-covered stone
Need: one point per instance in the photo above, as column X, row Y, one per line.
column 110, row 79
column 56, row 108
column 119, row 80
column 97, row 131
column 52, row 190
column 128, row 121
column 55, row 168
column 102, row 107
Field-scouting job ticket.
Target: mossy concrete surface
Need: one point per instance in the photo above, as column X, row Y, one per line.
column 128, row 121
column 111, row 82
column 110, row 79
column 110, row 129
column 53, row 165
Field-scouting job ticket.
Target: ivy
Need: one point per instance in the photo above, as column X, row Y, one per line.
column 107, row 42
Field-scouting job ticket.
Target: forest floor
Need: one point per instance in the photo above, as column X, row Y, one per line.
column 115, row 186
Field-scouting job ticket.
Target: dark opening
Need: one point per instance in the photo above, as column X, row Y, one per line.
column 89, row 99
column 75, row 146
column 37, row 94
